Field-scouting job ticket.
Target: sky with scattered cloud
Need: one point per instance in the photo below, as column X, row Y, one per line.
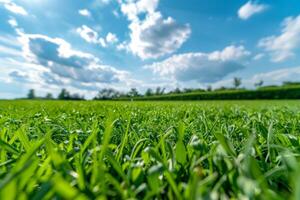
column 85, row 46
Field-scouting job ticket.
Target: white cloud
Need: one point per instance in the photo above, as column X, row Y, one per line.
column 92, row 36
column 202, row 67
column 24, row 75
column 123, row 46
column 14, row 8
column 12, row 22
column 88, row 34
column 52, row 63
column 276, row 77
column 19, row 76
column 251, row 8
column 258, row 56
column 116, row 13
column 111, row 38
column 5, row 50
column 133, row 8
column 152, row 36
column 85, row 13
column 105, row 1
column 61, row 60
column 102, row 42
column 282, row 47
column 9, row 40
column 229, row 53
column 101, row 3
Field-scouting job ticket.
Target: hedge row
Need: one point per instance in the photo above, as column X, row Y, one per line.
column 292, row 92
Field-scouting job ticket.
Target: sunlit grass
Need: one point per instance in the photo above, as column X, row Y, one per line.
column 152, row 150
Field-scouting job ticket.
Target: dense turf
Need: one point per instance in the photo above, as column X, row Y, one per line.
column 169, row 150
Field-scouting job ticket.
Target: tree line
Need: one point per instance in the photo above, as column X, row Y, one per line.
column 110, row 93
column 63, row 95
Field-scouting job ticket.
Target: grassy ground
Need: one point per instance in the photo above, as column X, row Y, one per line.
column 150, row 150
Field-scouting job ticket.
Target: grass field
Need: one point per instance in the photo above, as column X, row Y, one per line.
column 150, row 150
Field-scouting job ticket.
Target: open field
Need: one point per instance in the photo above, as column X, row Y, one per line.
column 150, row 150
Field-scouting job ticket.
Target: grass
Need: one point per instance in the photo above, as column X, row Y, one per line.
column 150, row 150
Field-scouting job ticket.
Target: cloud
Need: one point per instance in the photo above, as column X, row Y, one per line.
column 9, row 40
column 14, row 8
column 101, row 2
column 111, row 38
column 11, row 51
column 60, row 59
column 52, row 63
column 88, row 34
column 202, row 67
column 52, row 79
column 19, row 76
column 258, row 56
column 276, row 77
column 251, row 8
column 85, row 13
column 133, row 8
column 92, row 36
column 12, row 22
column 116, row 13
column 105, row 1
column 151, row 35
column 282, row 47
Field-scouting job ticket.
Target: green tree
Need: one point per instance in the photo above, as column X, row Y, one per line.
column 63, row 95
column 177, row 91
column 259, row 83
column 49, row 96
column 160, row 91
column 237, row 82
column 107, row 93
column 31, row 94
column 133, row 92
column 148, row 92
column 209, row 88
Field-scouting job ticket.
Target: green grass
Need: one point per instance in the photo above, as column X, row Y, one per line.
column 150, row 150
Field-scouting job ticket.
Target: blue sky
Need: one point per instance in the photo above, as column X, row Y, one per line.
column 85, row 46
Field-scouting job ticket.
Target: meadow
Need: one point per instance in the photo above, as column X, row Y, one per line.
column 150, row 150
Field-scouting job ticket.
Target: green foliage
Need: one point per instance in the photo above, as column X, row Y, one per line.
column 237, row 82
column 31, row 94
column 266, row 92
column 149, row 150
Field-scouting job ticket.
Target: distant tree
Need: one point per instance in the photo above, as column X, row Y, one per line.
column 64, row 95
column 259, row 83
column 106, row 94
column 157, row 91
column 221, row 88
column 160, row 91
column 209, row 88
column 133, row 92
column 177, row 91
column 31, row 94
column 198, row 90
column 187, row 90
column 76, row 97
column 290, row 83
column 148, row 92
column 237, row 82
column 49, row 96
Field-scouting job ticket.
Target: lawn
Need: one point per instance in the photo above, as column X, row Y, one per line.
column 150, row 150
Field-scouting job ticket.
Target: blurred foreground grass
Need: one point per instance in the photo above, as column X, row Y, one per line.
column 150, row 150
